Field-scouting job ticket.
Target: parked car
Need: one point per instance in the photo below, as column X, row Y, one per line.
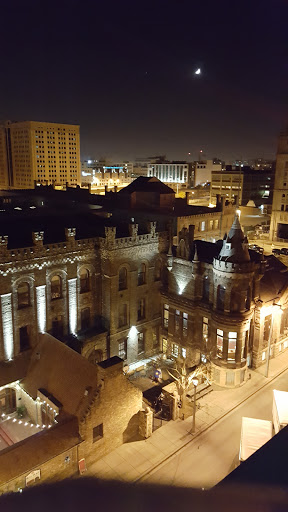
column 276, row 251
column 256, row 247
column 284, row 250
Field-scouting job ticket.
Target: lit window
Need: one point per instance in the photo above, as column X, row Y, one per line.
column 185, row 324
column 202, row 225
column 219, row 342
column 166, row 316
column 175, row 350
column 205, row 329
column 164, row 345
column 232, row 339
column 122, row 349
column 183, row 353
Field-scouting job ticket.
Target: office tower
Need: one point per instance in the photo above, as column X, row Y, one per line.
column 45, row 153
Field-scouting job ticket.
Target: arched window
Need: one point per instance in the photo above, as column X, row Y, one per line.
column 142, row 274
column 56, row 287
column 235, row 300
column 158, row 267
column 220, row 297
column 23, row 295
column 206, row 287
column 122, row 284
column 84, row 280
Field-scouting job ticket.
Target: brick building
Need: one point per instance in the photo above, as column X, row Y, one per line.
column 81, row 411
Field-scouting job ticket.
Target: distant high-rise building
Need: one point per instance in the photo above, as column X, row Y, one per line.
column 45, row 153
column 279, row 218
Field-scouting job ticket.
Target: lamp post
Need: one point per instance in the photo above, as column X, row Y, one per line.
column 195, row 384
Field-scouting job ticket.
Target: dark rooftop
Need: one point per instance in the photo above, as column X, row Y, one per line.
column 112, row 361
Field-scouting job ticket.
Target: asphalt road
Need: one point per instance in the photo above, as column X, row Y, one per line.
column 214, row 454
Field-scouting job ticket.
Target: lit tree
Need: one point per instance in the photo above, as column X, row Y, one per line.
column 184, row 382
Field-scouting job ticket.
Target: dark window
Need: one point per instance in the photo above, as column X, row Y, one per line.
column 206, row 286
column 158, row 270
column 84, row 281
column 122, row 349
column 141, row 309
column 24, row 338
column 177, row 320
column 267, row 327
column 155, row 337
column 23, row 293
column 122, row 278
column 85, row 318
column 235, row 302
column 142, row 274
column 220, row 297
column 56, row 287
column 57, row 326
column 97, row 432
column 122, row 315
column 141, row 342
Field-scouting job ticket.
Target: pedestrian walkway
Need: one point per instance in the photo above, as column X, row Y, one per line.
column 133, row 461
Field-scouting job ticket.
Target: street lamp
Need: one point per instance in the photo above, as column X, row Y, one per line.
column 195, row 384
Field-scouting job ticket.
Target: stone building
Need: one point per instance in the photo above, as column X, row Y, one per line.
column 217, row 306
column 91, row 293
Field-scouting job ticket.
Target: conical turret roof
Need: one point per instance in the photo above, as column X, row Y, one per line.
column 235, row 246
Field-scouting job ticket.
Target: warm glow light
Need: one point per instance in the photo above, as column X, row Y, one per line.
column 7, row 325
column 238, row 213
column 133, row 331
column 41, row 307
column 72, row 291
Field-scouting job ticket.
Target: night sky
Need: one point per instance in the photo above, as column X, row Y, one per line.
column 125, row 71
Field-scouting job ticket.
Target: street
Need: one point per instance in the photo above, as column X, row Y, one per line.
column 214, row 453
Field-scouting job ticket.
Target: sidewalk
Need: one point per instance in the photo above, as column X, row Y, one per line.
column 132, row 461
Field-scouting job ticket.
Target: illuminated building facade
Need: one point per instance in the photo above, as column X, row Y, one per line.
column 92, row 293
column 45, row 153
column 220, row 305
column 172, row 172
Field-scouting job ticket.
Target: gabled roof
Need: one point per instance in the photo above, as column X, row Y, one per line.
column 146, row 184
column 66, row 375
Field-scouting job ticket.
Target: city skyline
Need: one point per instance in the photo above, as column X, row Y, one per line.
column 129, row 78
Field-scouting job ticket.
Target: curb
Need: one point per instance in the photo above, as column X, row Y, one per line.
column 178, row 450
